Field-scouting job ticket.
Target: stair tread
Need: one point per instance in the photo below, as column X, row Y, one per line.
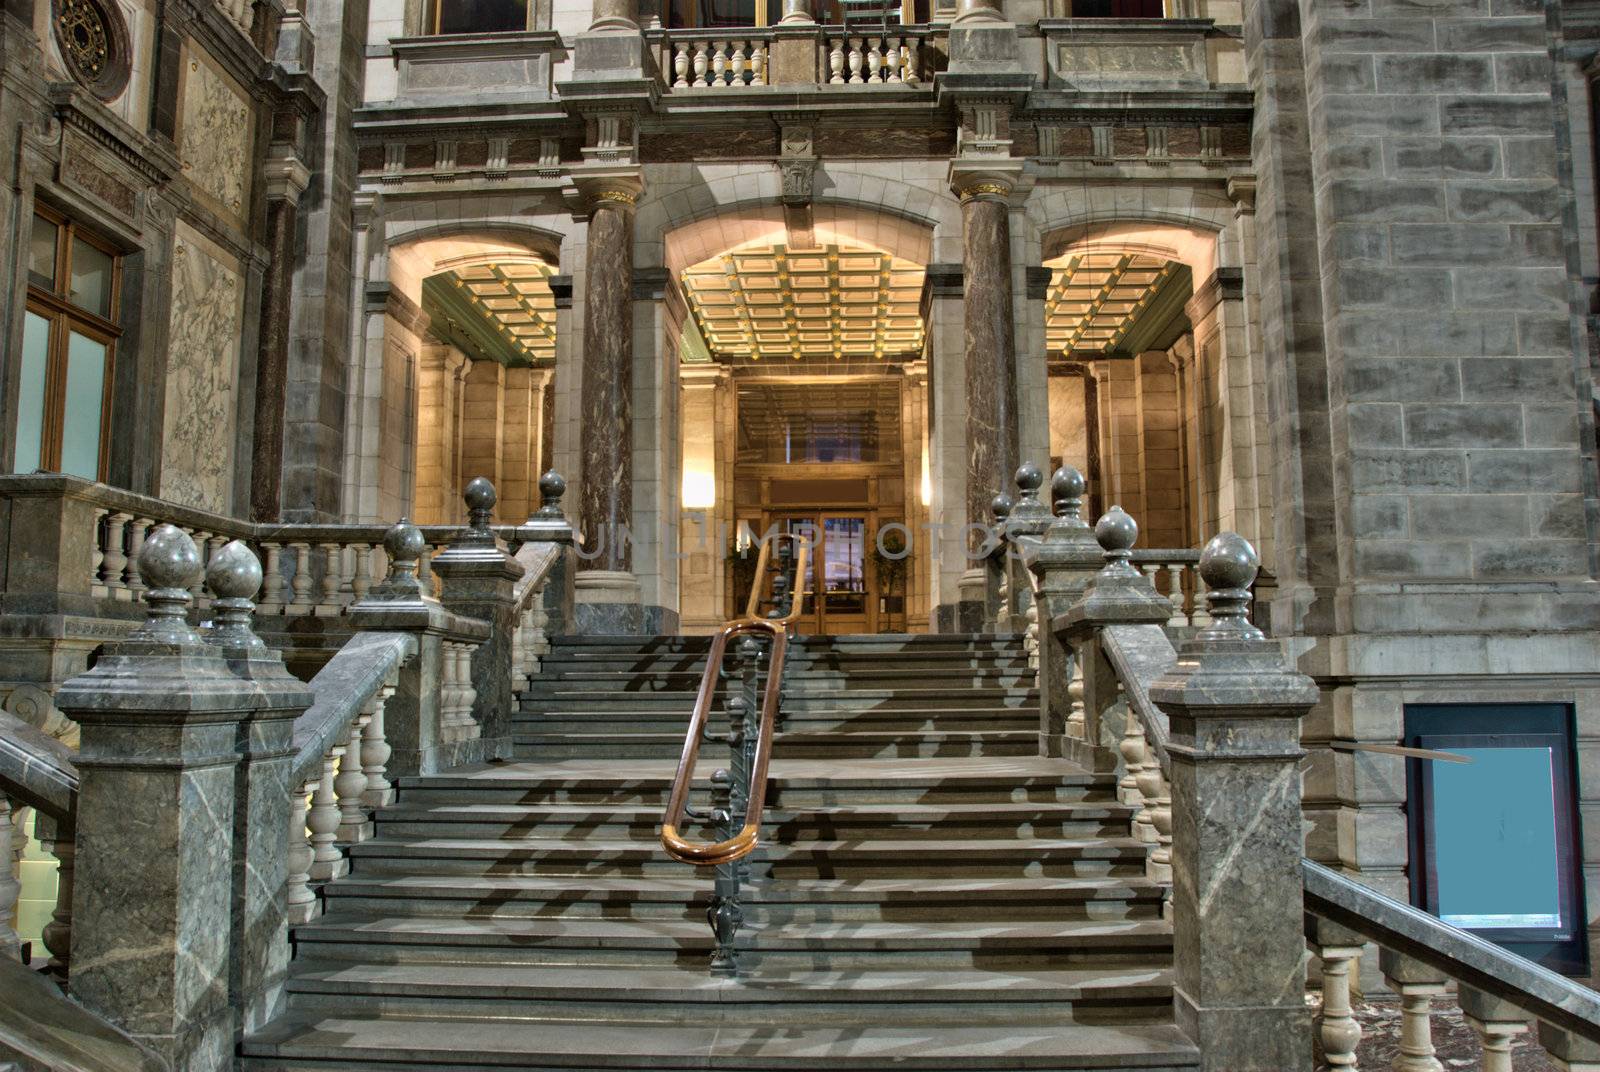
column 631, row 982
column 691, row 886
column 930, row 847
column 1071, row 809
column 1046, row 1044
column 611, row 773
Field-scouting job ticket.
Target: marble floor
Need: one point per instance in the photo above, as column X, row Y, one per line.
column 1454, row 1042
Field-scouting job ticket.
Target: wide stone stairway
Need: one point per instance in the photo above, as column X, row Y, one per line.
column 929, row 893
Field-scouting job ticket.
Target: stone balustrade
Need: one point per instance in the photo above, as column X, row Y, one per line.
column 807, row 54
column 881, row 59
column 717, row 62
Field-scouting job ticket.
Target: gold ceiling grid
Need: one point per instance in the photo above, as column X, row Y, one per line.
column 836, row 301
column 518, row 301
column 1094, row 298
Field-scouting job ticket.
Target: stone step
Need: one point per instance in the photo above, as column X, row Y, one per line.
column 1001, row 858
column 807, row 699
column 794, row 676
column 812, row 745
column 877, row 721
column 319, row 1042
column 363, row 938
column 686, row 895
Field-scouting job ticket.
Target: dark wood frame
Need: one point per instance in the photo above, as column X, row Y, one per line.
column 64, row 317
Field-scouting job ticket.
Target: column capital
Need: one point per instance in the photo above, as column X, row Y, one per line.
column 988, row 180
column 619, row 188
column 286, row 177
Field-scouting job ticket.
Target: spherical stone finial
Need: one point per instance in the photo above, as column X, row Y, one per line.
column 1029, row 479
column 1001, row 506
column 480, row 494
column 234, row 572
column 552, row 486
column 1117, row 533
column 1066, row 491
column 1229, row 561
column 169, row 559
column 404, row 542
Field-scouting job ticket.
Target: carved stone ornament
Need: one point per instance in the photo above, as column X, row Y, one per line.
column 93, row 38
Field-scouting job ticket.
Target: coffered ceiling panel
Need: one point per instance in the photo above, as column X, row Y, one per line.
column 513, row 299
column 1095, row 299
column 774, row 303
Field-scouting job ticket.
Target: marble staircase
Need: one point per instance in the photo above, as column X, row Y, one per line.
column 929, row 895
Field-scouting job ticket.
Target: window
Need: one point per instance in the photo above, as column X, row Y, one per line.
column 1117, row 9
column 481, row 16
column 69, row 339
column 687, row 14
column 1494, row 839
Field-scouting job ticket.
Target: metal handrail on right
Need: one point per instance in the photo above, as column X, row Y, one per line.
column 751, row 740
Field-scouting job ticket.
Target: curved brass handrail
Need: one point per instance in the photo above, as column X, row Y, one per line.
column 713, row 853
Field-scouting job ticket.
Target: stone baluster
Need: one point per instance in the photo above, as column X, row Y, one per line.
column 1200, row 615
column 97, row 556
column 375, row 752
column 758, row 64
column 702, row 65
column 519, row 650
column 57, row 934
column 115, row 563
column 874, row 62
column 911, row 62
column 1496, row 1022
column 1417, row 984
column 1234, row 707
column 328, row 593
column 719, row 64
column 300, row 586
column 891, row 61
column 1135, row 754
column 197, row 590
column 736, row 63
column 360, row 572
column 856, row 59
column 10, row 888
column 836, row 63
column 1068, row 556
column 680, row 64
column 272, row 588
column 301, row 902
column 1174, row 572
column 1337, row 1028
column 137, row 531
column 160, row 717
column 350, row 786
column 327, row 860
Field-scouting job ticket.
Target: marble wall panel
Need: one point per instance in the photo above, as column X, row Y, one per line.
column 215, row 135
column 202, row 374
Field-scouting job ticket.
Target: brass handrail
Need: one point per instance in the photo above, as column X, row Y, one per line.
column 714, row 853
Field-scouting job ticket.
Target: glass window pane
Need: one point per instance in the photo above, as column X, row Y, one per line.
column 727, row 12
column 91, row 278
column 1495, row 839
column 482, row 16
column 844, row 566
column 30, row 392
column 80, row 435
column 42, row 253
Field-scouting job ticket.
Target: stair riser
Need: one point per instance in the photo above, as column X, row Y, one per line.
column 863, row 700
column 830, row 868
column 780, row 833
column 692, row 1063
column 604, row 748
column 806, row 797
column 950, row 1008
column 911, row 722
column 795, row 674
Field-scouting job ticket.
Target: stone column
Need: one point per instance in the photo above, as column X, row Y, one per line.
column 286, row 179
column 262, row 795
column 1235, row 709
column 621, row 16
column 160, row 718
column 1067, row 559
column 608, row 593
column 478, row 578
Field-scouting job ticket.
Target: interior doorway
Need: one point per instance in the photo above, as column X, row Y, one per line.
column 842, row 594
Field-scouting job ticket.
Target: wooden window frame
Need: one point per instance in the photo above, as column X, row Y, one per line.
column 436, row 9
column 64, row 318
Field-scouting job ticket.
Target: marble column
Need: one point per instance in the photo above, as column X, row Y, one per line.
column 991, row 360
column 286, row 179
column 615, row 15
column 608, row 593
column 1235, row 710
column 160, row 717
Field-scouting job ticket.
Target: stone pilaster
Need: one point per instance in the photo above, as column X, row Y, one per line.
column 262, row 796
column 160, row 717
column 286, row 179
column 478, row 578
column 1235, row 708
column 608, row 593
column 1067, row 558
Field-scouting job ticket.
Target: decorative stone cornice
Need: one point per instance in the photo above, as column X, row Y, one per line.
column 1242, row 192
column 285, row 176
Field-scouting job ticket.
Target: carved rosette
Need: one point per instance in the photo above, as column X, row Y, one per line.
column 93, row 39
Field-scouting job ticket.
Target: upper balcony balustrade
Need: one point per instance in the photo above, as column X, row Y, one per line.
column 903, row 57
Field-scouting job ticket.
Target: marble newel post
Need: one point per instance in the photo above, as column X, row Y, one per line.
column 1067, row 558
column 608, row 594
column 479, row 577
column 262, row 796
column 161, row 716
column 549, row 525
column 1235, row 709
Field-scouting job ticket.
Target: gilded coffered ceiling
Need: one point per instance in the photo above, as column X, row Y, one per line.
column 775, row 303
column 1102, row 303
column 503, row 311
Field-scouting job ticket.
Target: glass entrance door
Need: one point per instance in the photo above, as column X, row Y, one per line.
column 839, row 598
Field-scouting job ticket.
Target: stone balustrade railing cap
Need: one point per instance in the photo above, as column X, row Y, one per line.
column 1118, row 594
